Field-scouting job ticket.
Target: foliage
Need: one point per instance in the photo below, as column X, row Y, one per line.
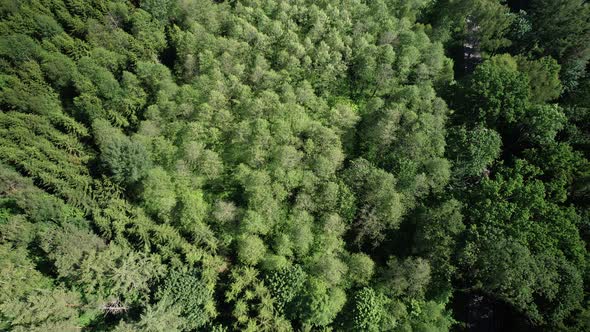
column 319, row 304
column 367, row 311
column 188, row 292
column 437, row 235
column 543, row 77
column 498, row 90
column 127, row 159
column 274, row 165
column 562, row 30
column 381, row 203
column 285, row 285
column 472, row 150
column 460, row 20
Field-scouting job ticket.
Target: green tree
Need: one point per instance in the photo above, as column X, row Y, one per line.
column 367, row 311
column 543, row 122
column 498, row 91
column 485, row 21
column 409, row 278
column 188, row 292
column 158, row 193
column 381, row 207
column 562, row 30
column 285, row 285
column 438, row 229
column 251, row 249
column 543, row 77
column 535, row 235
column 472, row 151
column 319, row 304
column 160, row 317
column 360, row 268
column 128, row 160
column 29, row 301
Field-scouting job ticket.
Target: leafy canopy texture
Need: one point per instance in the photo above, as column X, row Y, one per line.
column 292, row 165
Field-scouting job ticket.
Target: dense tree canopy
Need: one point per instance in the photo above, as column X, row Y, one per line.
column 274, row 165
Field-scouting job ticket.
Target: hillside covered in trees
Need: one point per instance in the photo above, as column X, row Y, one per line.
column 294, row 165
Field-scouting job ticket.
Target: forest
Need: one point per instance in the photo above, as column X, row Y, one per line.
column 294, row 165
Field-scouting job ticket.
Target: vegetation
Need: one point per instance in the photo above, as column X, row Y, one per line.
column 274, row 165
